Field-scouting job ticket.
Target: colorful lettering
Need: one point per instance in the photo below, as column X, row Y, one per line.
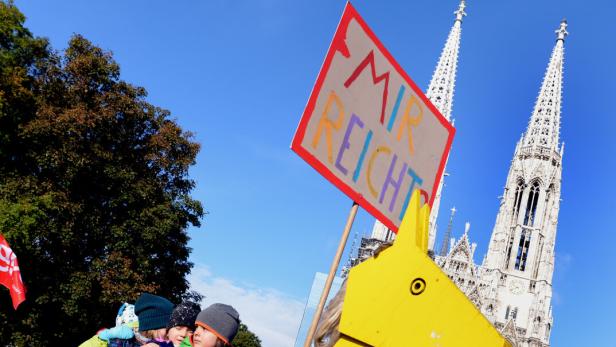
column 425, row 195
column 409, row 122
column 326, row 124
column 394, row 113
column 345, row 142
column 373, row 156
column 360, row 162
column 415, row 180
column 369, row 60
column 395, row 183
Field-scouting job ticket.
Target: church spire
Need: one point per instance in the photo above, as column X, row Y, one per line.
column 460, row 12
column 519, row 265
column 544, row 126
column 440, row 93
column 445, row 243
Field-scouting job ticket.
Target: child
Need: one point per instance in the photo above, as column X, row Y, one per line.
column 182, row 322
column 154, row 313
column 126, row 322
column 217, row 325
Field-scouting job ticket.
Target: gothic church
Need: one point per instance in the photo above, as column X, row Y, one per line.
column 513, row 285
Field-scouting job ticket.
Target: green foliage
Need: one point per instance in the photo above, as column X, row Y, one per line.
column 193, row 296
column 245, row 338
column 94, row 188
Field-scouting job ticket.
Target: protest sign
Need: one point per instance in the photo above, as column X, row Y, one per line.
column 369, row 129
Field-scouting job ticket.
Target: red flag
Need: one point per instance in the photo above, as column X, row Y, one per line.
column 10, row 276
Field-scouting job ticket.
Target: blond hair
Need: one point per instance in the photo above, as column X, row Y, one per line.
column 327, row 333
column 146, row 335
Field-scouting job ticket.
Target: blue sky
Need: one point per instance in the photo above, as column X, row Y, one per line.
column 238, row 74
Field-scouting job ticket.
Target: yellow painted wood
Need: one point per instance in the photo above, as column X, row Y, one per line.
column 380, row 309
column 345, row 343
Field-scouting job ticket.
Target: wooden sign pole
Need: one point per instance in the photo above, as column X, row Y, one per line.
column 330, row 276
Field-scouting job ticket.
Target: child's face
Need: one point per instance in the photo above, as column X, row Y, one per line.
column 177, row 334
column 204, row 338
column 160, row 333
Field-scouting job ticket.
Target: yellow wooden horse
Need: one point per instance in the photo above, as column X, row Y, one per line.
column 401, row 298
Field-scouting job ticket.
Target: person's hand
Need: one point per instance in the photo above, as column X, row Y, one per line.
column 121, row 332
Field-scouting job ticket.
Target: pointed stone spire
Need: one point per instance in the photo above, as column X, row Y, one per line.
column 440, row 92
column 445, row 243
column 460, row 12
column 562, row 30
column 544, row 126
column 519, row 266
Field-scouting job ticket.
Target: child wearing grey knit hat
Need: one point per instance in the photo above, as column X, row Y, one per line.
column 217, row 325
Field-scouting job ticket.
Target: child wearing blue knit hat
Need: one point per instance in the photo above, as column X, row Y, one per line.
column 154, row 313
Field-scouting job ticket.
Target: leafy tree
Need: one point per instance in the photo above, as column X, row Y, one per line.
column 94, row 188
column 245, row 338
column 193, row 295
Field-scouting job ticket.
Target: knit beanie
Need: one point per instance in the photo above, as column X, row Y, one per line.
column 221, row 320
column 184, row 315
column 153, row 311
column 126, row 316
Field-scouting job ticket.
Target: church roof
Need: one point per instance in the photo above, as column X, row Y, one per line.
column 463, row 251
column 510, row 333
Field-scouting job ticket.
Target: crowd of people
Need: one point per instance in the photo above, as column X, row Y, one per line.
column 154, row 321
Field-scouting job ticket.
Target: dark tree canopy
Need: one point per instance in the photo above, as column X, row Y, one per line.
column 94, row 188
column 245, row 338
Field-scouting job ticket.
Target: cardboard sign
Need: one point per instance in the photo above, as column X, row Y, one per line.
column 369, row 129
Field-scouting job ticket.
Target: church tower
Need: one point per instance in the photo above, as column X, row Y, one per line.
column 440, row 93
column 517, row 270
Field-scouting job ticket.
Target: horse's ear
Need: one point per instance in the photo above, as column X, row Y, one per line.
column 414, row 227
column 423, row 228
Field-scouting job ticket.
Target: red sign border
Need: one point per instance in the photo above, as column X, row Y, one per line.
column 349, row 14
